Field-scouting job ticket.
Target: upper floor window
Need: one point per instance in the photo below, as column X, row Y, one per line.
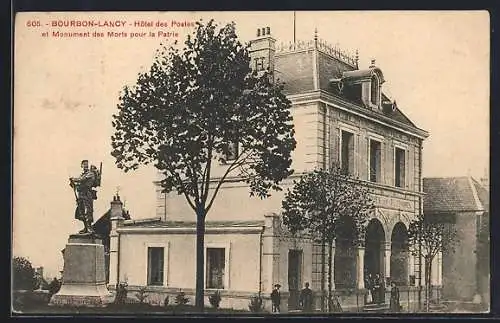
column 259, row 64
column 399, row 167
column 347, row 152
column 375, row 90
column 155, row 266
column 375, row 160
column 232, row 148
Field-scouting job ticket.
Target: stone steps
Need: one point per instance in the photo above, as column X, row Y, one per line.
column 376, row 308
column 437, row 307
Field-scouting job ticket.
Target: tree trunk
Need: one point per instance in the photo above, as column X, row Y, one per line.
column 430, row 282
column 420, row 276
column 330, row 244
column 323, row 263
column 428, row 268
column 200, row 258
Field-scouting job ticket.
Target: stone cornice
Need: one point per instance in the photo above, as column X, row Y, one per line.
column 189, row 230
column 328, row 99
column 238, row 182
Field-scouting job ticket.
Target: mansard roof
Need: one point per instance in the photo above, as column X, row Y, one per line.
column 391, row 110
column 295, row 66
column 454, row 194
column 362, row 75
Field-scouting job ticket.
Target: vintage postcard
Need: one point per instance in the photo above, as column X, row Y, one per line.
column 252, row 163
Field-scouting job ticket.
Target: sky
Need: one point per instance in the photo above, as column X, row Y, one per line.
column 436, row 66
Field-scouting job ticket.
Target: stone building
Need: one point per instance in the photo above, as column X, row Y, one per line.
column 341, row 115
column 464, row 203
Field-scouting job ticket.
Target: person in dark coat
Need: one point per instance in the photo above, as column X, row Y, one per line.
column 378, row 290
column 306, row 299
column 395, row 306
column 276, row 298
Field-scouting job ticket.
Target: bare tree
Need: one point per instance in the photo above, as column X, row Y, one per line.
column 429, row 236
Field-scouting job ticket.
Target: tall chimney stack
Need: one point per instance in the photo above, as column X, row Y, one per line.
column 262, row 51
column 116, row 207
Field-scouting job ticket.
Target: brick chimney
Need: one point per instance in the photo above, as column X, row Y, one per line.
column 262, row 50
column 485, row 180
column 116, row 220
column 116, row 208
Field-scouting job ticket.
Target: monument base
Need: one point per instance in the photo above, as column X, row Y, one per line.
column 82, row 295
column 84, row 277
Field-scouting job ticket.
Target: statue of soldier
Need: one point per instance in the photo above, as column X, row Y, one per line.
column 85, row 195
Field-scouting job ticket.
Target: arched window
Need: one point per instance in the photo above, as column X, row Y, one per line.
column 400, row 255
column 375, row 90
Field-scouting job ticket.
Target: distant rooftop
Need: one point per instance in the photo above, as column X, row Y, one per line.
column 454, row 194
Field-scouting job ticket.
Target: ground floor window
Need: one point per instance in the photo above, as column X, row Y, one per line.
column 316, row 267
column 155, row 266
column 216, row 262
column 345, row 264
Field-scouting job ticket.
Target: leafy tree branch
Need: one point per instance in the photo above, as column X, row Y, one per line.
column 183, row 114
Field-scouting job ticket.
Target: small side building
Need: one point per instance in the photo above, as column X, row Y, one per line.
column 464, row 203
column 103, row 227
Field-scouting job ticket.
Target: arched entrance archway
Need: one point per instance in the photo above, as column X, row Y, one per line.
column 374, row 248
column 345, row 254
column 399, row 254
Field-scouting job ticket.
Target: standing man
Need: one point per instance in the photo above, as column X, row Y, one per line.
column 276, row 298
column 85, row 196
column 306, row 299
column 394, row 304
column 377, row 290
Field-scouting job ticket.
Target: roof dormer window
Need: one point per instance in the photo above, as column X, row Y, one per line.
column 375, row 91
column 363, row 85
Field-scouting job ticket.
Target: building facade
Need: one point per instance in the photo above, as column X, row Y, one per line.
column 341, row 116
column 463, row 202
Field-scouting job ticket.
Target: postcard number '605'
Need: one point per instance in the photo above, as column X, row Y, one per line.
column 33, row 23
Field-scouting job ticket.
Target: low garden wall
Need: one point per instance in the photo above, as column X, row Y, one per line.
column 351, row 300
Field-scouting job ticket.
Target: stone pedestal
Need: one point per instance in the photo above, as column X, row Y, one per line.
column 84, row 276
